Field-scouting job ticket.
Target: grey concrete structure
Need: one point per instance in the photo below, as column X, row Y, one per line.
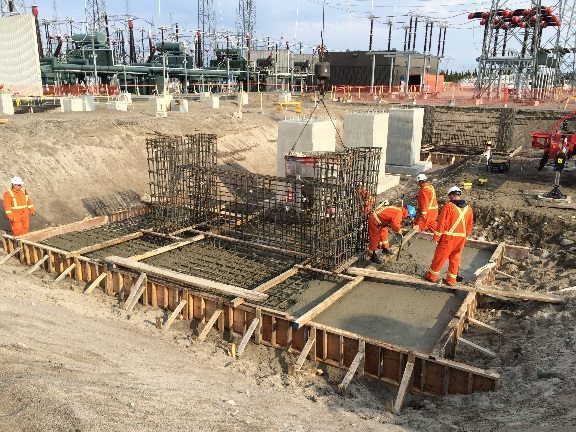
column 318, row 135
column 404, row 136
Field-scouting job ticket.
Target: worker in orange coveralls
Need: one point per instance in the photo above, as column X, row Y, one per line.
column 368, row 200
column 379, row 220
column 454, row 227
column 18, row 207
column 427, row 209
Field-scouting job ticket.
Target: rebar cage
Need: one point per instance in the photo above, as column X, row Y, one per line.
column 317, row 217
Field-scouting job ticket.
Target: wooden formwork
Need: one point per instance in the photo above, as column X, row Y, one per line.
column 433, row 374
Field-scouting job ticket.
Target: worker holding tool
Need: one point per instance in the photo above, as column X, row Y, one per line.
column 18, row 207
column 454, row 227
column 379, row 220
column 427, row 211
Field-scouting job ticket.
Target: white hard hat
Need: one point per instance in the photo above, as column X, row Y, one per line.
column 421, row 177
column 17, row 180
column 455, row 189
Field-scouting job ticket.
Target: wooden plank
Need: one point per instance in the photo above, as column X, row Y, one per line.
column 38, row 264
column 302, row 357
column 512, row 260
column 95, row 283
column 247, row 336
column 136, row 292
column 316, row 310
column 174, row 315
column 406, row 379
column 258, row 335
column 480, row 289
column 65, row 272
column 105, row 244
column 484, row 325
column 352, row 369
column 477, row 347
column 165, row 249
column 325, row 272
column 209, row 325
column 268, row 284
column 187, row 279
column 10, row 255
column 39, row 235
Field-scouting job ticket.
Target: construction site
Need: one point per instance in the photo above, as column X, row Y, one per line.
column 198, row 252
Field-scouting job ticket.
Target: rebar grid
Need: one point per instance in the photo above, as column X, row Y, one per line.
column 319, row 216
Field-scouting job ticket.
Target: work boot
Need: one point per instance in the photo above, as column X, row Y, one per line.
column 387, row 251
column 446, row 282
column 374, row 258
column 459, row 278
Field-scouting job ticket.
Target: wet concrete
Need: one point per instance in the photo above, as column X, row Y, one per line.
column 300, row 293
column 225, row 262
column 138, row 246
column 81, row 239
column 413, row 318
column 415, row 259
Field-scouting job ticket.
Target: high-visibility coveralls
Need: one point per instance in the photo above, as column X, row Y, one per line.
column 454, row 227
column 427, row 215
column 368, row 200
column 379, row 221
column 18, row 207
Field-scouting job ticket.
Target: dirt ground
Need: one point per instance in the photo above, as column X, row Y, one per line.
column 71, row 362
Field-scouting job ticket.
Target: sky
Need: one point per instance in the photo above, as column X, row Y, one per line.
column 346, row 22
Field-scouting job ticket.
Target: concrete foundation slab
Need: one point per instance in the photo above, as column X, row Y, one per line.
column 180, row 105
column 405, row 316
column 242, row 99
column 117, row 106
column 160, row 103
column 317, row 135
column 212, row 102
column 404, row 136
column 88, row 103
column 387, row 181
column 413, row 170
column 285, row 97
column 6, row 104
column 71, row 105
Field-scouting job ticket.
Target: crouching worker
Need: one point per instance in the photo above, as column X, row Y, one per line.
column 379, row 220
column 454, row 228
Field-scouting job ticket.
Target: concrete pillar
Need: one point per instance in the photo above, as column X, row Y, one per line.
column 6, row 104
column 405, row 140
column 370, row 129
column 319, row 135
column 71, row 104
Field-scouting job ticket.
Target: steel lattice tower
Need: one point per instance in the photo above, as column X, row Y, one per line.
column 519, row 48
column 8, row 7
column 246, row 20
column 566, row 45
column 95, row 11
column 207, row 25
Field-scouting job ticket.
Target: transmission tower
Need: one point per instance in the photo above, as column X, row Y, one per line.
column 207, row 28
column 10, row 7
column 519, row 48
column 96, row 17
column 566, row 45
column 246, row 21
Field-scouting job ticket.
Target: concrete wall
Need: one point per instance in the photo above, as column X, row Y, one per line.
column 404, row 136
column 318, row 135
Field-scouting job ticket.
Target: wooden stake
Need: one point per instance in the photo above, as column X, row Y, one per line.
column 302, row 357
column 484, row 325
column 209, row 325
column 512, row 260
column 247, row 336
column 480, row 289
column 316, row 310
column 477, row 347
column 95, row 283
column 506, row 274
column 136, row 292
column 65, row 273
column 352, row 369
column 38, row 264
column 406, row 380
column 174, row 315
column 10, row 255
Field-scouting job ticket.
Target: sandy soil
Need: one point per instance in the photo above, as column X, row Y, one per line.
column 72, row 362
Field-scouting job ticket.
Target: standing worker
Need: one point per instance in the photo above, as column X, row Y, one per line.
column 427, row 211
column 379, row 220
column 18, row 207
column 454, row 227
